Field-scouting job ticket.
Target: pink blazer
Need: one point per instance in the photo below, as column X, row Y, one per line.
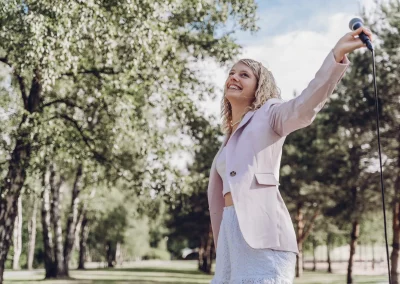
column 253, row 159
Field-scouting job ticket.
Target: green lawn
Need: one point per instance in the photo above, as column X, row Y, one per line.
column 162, row 273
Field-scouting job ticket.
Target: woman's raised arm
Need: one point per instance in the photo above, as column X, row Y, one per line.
column 286, row 117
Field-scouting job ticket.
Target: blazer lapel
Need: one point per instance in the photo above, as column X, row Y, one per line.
column 245, row 119
column 215, row 183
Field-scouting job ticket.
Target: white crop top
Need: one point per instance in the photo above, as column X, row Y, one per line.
column 221, row 166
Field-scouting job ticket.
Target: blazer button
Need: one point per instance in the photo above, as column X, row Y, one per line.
column 233, row 173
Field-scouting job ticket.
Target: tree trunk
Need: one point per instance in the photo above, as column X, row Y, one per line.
column 10, row 192
column 118, row 255
column 300, row 229
column 201, row 253
column 353, row 243
column 373, row 257
column 17, row 240
column 302, row 235
column 72, row 219
column 83, row 241
column 32, row 234
column 82, row 231
column 49, row 259
column 206, row 251
column 328, row 248
column 394, row 257
column 19, row 162
column 110, row 254
column 55, row 188
column 314, row 247
column 77, row 238
column 209, row 251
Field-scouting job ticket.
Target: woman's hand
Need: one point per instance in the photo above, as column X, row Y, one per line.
column 349, row 42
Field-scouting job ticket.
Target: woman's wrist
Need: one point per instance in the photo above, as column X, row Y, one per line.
column 338, row 56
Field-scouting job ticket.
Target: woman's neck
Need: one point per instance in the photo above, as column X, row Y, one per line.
column 237, row 114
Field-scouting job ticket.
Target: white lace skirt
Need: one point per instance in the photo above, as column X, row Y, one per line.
column 238, row 263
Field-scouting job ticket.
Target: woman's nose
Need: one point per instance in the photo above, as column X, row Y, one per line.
column 235, row 77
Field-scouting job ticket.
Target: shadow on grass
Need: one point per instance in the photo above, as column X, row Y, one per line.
column 80, row 281
column 153, row 269
column 103, row 281
column 145, row 275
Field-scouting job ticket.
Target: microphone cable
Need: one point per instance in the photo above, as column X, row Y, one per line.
column 354, row 24
column 380, row 164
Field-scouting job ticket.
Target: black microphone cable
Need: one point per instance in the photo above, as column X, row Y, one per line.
column 380, row 163
column 354, row 24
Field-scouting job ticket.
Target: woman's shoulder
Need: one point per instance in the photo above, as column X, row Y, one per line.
column 270, row 102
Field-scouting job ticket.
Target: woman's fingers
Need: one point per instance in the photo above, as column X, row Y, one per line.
column 366, row 30
column 351, row 41
column 357, row 31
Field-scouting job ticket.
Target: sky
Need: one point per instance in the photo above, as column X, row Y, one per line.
column 294, row 38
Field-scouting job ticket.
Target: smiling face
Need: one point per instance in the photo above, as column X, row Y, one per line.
column 241, row 84
column 248, row 86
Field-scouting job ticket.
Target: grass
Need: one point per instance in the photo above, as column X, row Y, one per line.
column 162, row 272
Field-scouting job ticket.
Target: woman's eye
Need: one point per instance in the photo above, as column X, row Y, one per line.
column 230, row 74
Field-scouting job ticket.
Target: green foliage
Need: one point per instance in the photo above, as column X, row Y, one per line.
column 156, row 253
column 189, row 216
column 104, row 86
column 137, row 239
column 334, row 163
column 107, row 77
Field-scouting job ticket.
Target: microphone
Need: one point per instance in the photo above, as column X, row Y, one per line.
column 354, row 24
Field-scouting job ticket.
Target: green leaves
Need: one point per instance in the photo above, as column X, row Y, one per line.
column 110, row 85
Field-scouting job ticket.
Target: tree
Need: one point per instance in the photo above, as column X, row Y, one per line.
column 306, row 183
column 356, row 97
column 387, row 28
column 68, row 58
column 189, row 216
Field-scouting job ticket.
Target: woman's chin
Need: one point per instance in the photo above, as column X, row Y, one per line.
column 233, row 94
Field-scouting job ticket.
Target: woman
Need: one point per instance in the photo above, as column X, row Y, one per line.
column 253, row 233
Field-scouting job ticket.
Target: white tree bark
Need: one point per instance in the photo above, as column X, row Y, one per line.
column 32, row 234
column 17, row 239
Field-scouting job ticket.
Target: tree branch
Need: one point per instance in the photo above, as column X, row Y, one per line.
column 310, row 224
column 5, row 61
column 94, row 71
column 98, row 156
column 64, row 101
column 22, row 88
column 77, row 127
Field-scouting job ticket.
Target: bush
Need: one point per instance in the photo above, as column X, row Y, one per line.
column 156, row 253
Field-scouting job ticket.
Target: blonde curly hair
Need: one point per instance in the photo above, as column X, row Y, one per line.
column 266, row 89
